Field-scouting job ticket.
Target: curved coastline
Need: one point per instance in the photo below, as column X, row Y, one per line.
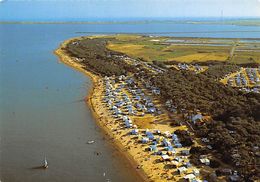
column 95, row 92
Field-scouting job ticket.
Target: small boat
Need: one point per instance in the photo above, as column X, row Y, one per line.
column 91, row 142
column 45, row 163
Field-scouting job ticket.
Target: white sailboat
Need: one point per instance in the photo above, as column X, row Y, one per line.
column 45, row 163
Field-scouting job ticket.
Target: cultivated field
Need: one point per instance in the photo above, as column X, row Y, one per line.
column 239, row 51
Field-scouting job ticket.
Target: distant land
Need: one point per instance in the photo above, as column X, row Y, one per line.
column 245, row 22
column 240, row 22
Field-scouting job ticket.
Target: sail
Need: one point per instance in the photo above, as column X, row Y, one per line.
column 45, row 163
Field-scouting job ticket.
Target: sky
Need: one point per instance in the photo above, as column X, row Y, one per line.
column 88, row 10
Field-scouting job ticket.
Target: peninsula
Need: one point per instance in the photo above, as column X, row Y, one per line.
column 178, row 108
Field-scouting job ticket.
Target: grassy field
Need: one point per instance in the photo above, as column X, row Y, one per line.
column 187, row 49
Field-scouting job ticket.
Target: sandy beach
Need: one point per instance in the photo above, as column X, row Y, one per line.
column 92, row 99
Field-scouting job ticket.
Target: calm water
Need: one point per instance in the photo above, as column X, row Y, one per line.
column 178, row 30
column 41, row 112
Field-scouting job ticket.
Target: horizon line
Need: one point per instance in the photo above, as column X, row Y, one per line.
column 90, row 19
column 134, row 20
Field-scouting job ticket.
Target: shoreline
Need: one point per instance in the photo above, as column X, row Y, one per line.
column 90, row 101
